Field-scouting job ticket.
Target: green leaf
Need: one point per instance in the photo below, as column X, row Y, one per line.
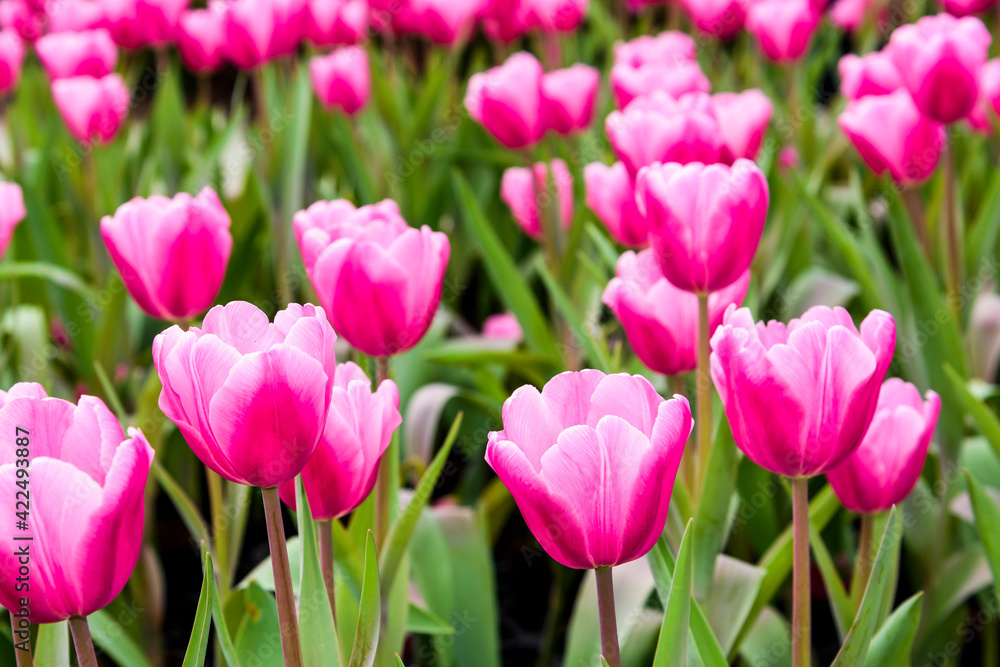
column 604, row 663
column 595, row 348
column 316, row 628
column 399, row 661
column 52, row 645
column 734, row 589
column 52, row 273
column 982, row 236
column 109, row 635
column 987, row 523
column 198, row 643
column 293, row 167
column 840, row 601
column 425, row 622
column 369, row 615
column 506, row 278
column 222, row 634
column 855, row 648
column 258, row 633
column 984, row 417
column 892, row 646
column 672, row 646
column 710, row 529
column 185, row 506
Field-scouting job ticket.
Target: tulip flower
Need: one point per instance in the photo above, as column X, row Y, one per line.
column 503, row 326
column 201, row 38
column 939, row 58
column 568, row 98
column 611, row 195
column 523, row 195
column 850, row 15
column 93, row 109
column 291, row 18
column 870, row 74
column 667, row 48
column 137, row 23
column 983, row 114
column 249, row 31
column 11, row 58
column 507, row 100
column 553, row 16
column 171, row 253
column 332, row 22
column 379, row 279
column 87, row 506
column 86, row 53
column 660, row 320
column 22, row 19
column 441, row 21
column 718, row 18
column 891, row 135
column 341, row 79
column 11, row 212
column 508, row 20
column 743, row 119
column 665, row 62
column 77, row 15
column 966, row 7
column 885, row 467
column 782, row 28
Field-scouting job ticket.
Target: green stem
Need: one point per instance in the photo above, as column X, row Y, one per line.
column 220, row 532
column 953, row 238
column 81, row 640
column 704, row 391
column 609, row 624
column 325, row 529
column 291, row 650
column 386, row 469
column 23, row 657
column 863, row 565
column 800, row 572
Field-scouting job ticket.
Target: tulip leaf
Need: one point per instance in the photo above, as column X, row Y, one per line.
column 56, row 275
column 343, row 139
column 185, row 506
column 672, row 646
column 425, row 622
column 604, row 662
column 985, row 228
column 369, row 614
column 595, row 348
column 987, row 523
column 222, row 634
column 892, row 646
column 398, row 539
column 52, row 645
column 840, row 601
column 316, row 628
column 508, row 281
column 399, row 661
column 709, row 531
column 855, row 648
column 982, row 415
column 198, row 643
column 293, row 166
column 735, row 584
column 257, row 636
column 109, row 635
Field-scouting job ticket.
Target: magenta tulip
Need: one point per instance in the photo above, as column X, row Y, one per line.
column 891, row 135
column 231, row 386
column 966, row 7
column 591, row 462
column 249, row 31
column 718, row 18
column 743, row 119
column 508, row 20
column 20, row 18
column 341, row 79
column 984, row 114
column 611, row 195
column 11, row 59
column 201, row 38
column 870, row 74
column 850, row 15
column 800, row 397
column 86, row 53
column 507, row 100
column 704, row 221
column 648, row 64
column 171, row 253
column 11, row 212
column 783, row 28
column 660, row 320
column 291, row 18
column 939, row 58
column 522, row 194
column 137, row 23
column 379, row 278
column 885, row 467
column 503, row 326
column 87, row 486
column 76, row 15
column 441, row 21
column 334, row 22
column 667, row 48
column 568, row 98
column 359, row 426
column 93, row 109
column 554, row 16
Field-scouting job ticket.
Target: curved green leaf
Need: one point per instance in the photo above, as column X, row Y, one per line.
column 316, row 628
column 369, row 614
column 893, row 644
column 672, row 646
column 198, row 643
column 52, row 645
column 988, row 524
column 109, row 635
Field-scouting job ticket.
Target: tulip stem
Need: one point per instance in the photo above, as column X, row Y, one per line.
column 800, row 572
column 863, row 564
column 952, row 233
column 81, row 640
column 609, row 624
column 704, row 391
column 325, row 529
column 915, row 209
column 291, row 650
column 219, row 529
column 386, row 468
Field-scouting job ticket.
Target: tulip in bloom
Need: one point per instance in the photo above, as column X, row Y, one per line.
column 232, row 385
column 249, row 31
column 939, row 58
column 11, row 212
column 966, row 7
column 850, row 15
column 647, row 64
column 341, row 79
column 359, row 426
column 669, row 47
column 870, row 74
column 11, row 58
column 85, row 53
column 705, row 221
column 660, row 320
column 379, row 278
column 783, row 28
column 201, row 38
column 507, row 100
column 743, row 119
column 93, row 109
column 611, row 195
column 503, row 326
column 334, row 22
column 291, row 18
column 800, row 397
column 885, row 467
column 893, row 136
column 718, row 18
column 87, row 502
column 983, row 114
column 22, row 19
column 508, row 20
column 522, row 194
column 568, row 98
column 591, row 462
column 171, row 253
column 76, row 15
column 137, row 23
column 441, row 21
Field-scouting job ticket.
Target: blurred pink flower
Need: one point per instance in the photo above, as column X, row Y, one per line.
column 291, row 19
column 93, row 109
column 871, row 74
column 503, row 326
column 984, row 113
column 611, row 195
column 718, row 18
column 11, row 212
column 76, row 15
column 522, row 194
column 334, row 22
column 783, row 28
column 11, row 59
column 84, row 53
column 201, row 38
column 743, row 119
column 137, row 23
column 648, row 64
column 341, row 79
column 507, row 100
column 568, row 98
column 441, row 21
column 966, row 7
column 249, row 31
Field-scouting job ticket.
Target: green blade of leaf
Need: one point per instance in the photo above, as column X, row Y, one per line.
column 52, row 645
column 596, row 350
column 672, row 646
column 982, row 415
column 987, row 523
column 316, row 628
column 109, row 635
column 986, row 228
column 892, row 646
column 425, row 622
column 185, row 506
column 399, row 661
column 369, row 614
column 52, row 273
column 198, row 643
column 222, row 634
column 840, row 601
column 709, row 531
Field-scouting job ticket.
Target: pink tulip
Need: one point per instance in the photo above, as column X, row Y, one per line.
column 788, row 158
column 337, row 21
column 249, row 31
column 76, row 15
column 850, row 15
column 291, row 19
column 966, row 7
column 93, row 109
column 800, row 397
column 503, row 326
column 611, row 195
column 629, row 83
column 341, row 79
column 667, row 48
column 591, row 462
column 984, row 113
column 568, row 98
column 718, row 18
column 11, row 212
column 359, row 426
column 660, row 320
column 783, row 28
column 11, row 58
column 704, row 221
column 171, row 253
column 441, row 21
column 137, row 23
column 893, row 136
column 659, row 128
column 87, row 502
column 24, row 20
column 522, row 195
column 379, row 278
column 507, row 100
column 885, row 467
column 201, row 38
column 250, row 397
column 553, row 16
column 508, row 20
column 69, row 54
column 743, row 119
column 871, row 74
column 939, row 58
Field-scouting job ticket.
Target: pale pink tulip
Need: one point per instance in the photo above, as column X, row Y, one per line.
column 12, row 212
column 568, row 98
column 611, row 195
column 201, row 38
column 783, row 28
column 523, row 194
column 871, row 74
column 93, row 109
column 85, row 53
column 341, row 79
